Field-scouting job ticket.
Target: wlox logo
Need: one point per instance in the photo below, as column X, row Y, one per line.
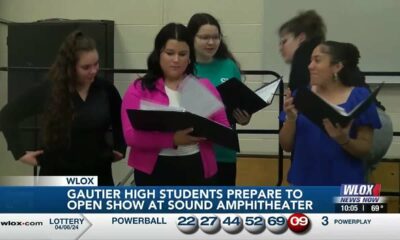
column 81, row 181
column 360, row 190
column 20, row 223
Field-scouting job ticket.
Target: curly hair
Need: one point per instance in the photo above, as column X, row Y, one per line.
column 60, row 110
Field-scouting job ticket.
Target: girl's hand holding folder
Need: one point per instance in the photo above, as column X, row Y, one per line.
column 183, row 137
column 241, row 116
column 338, row 133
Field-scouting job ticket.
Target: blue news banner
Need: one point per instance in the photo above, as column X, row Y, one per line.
column 196, row 213
column 167, row 200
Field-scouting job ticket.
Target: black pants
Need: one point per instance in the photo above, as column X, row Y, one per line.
column 173, row 171
column 103, row 171
column 226, row 175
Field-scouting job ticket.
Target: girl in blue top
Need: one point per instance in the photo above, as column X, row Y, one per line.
column 332, row 157
column 215, row 62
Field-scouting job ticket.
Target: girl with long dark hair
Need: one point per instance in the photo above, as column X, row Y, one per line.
column 78, row 110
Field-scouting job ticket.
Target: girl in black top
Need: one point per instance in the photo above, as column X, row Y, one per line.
column 298, row 38
column 78, row 109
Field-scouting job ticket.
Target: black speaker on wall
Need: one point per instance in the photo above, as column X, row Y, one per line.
column 35, row 45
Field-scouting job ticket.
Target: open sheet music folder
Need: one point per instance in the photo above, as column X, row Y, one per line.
column 235, row 94
column 171, row 121
column 316, row 109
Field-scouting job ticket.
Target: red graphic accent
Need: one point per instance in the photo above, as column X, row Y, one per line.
column 298, row 222
column 376, row 191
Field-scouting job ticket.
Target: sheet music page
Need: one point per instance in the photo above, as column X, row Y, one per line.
column 338, row 109
column 197, row 99
column 147, row 105
column 267, row 92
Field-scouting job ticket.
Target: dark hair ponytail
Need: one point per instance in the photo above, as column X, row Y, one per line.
column 308, row 22
column 349, row 56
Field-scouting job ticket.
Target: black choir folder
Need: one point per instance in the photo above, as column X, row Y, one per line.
column 235, row 94
column 171, row 121
column 316, row 109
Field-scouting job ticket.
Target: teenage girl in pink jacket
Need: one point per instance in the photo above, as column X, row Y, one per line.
column 168, row 158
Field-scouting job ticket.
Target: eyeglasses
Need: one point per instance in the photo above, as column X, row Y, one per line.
column 207, row 38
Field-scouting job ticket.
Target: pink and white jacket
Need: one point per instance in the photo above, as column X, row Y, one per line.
column 146, row 145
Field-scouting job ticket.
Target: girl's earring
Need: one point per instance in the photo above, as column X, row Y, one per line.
column 335, row 77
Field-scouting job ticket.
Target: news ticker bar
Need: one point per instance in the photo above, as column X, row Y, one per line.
column 212, row 199
column 167, row 199
column 200, row 226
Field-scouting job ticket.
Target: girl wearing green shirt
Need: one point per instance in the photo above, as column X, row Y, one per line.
column 215, row 62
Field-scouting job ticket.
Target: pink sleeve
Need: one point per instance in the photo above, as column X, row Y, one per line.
column 147, row 140
column 219, row 116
